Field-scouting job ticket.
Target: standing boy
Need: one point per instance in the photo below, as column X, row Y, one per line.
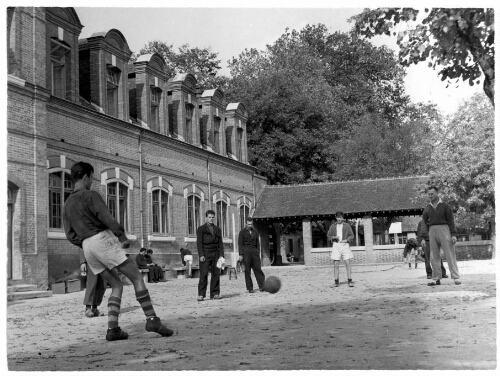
column 248, row 245
column 210, row 249
column 439, row 225
column 340, row 232
column 89, row 225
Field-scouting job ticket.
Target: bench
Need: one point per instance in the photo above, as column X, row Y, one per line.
column 182, row 272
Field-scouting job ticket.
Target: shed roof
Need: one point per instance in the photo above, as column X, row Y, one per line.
column 378, row 197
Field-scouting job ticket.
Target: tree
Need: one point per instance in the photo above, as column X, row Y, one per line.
column 300, row 106
column 201, row 62
column 459, row 40
column 463, row 166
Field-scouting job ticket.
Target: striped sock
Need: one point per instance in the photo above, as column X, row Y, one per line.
column 145, row 300
column 114, row 304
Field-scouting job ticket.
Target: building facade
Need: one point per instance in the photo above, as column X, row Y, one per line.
column 163, row 150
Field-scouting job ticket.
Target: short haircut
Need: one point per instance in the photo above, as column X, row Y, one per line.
column 433, row 187
column 150, row 251
column 249, row 219
column 210, row 211
column 142, row 250
column 339, row 214
column 80, row 169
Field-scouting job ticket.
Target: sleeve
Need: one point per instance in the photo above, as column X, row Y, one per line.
column 258, row 241
column 100, row 210
column 240, row 243
column 451, row 220
column 331, row 233
column 70, row 233
column 82, row 256
column 424, row 229
column 199, row 241
column 350, row 234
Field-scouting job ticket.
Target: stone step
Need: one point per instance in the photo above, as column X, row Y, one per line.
column 21, row 288
column 28, row 295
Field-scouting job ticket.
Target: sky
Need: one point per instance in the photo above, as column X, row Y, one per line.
column 228, row 30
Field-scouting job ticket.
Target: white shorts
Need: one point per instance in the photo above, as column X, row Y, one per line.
column 188, row 259
column 341, row 250
column 103, row 251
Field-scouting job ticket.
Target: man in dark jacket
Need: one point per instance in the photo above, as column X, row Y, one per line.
column 143, row 263
column 210, row 249
column 427, row 253
column 248, row 245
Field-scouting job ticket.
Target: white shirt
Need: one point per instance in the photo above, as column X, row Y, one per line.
column 339, row 231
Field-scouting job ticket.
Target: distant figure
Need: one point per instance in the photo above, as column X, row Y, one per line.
column 410, row 252
column 157, row 270
column 340, row 232
column 187, row 259
column 439, row 225
column 143, row 263
column 248, row 245
column 94, row 289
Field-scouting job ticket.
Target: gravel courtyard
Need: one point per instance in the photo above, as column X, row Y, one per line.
column 390, row 320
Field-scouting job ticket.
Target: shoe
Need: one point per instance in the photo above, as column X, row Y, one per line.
column 251, row 291
column 437, row 283
column 92, row 313
column 445, row 276
column 262, row 290
column 415, row 266
column 457, row 282
column 337, row 283
column 216, row 296
column 153, row 324
column 429, row 276
column 200, row 298
column 350, row 284
column 116, row 334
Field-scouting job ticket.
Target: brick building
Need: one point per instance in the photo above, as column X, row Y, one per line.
column 163, row 151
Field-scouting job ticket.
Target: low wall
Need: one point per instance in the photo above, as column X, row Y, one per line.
column 471, row 250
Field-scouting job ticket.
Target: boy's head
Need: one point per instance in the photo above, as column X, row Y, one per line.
column 149, row 251
column 339, row 216
column 210, row 216
column 81, row 169
column 142, row 251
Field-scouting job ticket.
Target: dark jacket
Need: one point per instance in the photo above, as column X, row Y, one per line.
column 347, row 233
column 86, row 214
column 208, row 243
column 142, row 261
column 247, row 242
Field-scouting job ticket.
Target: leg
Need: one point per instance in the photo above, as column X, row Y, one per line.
column 449, row 251
column 427, row 256
column 114, row 301
column 336, row 265
column 443, row 270
column 257, row 270
column 202, row 283
column 247, row 260
column 153, row 323
column 434, row 243
column 90, row 289
column 348, row 268
column 215, row 279
column 100, row 289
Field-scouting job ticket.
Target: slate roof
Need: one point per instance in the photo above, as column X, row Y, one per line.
column 355, row 198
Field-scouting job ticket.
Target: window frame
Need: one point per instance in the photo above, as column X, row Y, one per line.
column 59, row 90
column 62, row 199
column 162, row 191
column 116, row 181
column 195, row 224
column 112, row 85
column 217, row 127
column 239, row 144
column 243, row 218
column 224, row 226
column 154, row 108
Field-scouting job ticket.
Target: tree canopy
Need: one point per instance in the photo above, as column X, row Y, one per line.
column 461, row 41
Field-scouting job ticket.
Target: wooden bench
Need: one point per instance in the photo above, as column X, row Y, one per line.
column 182, row 272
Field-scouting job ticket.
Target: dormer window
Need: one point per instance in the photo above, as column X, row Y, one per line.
column 216, row 146
column 112, row 82
column 154, row 121
column 189, row 122
column 58, row 55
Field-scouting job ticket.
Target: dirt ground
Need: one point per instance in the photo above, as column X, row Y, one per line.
column 390, row 320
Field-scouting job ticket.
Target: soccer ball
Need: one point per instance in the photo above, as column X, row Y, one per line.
column 272, row 284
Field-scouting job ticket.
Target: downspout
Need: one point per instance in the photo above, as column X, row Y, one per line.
column 209, row 188
column 140, row 189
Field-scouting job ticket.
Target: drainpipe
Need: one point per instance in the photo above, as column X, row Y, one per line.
column 140, row 188
column 208, row 178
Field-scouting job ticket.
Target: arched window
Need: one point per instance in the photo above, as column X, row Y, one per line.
column 160, row 204
column 193, row 213
column 118, row 186
column 221, row 213
column 60, row 187
column 244, row 214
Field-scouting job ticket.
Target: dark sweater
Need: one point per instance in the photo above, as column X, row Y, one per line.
column 247, row 242
column 442, row 215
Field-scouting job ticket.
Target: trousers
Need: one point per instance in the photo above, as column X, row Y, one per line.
column 95, row 288
column 440, row 238
column 209, row 265
column 251, row 260
column 427, row 254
